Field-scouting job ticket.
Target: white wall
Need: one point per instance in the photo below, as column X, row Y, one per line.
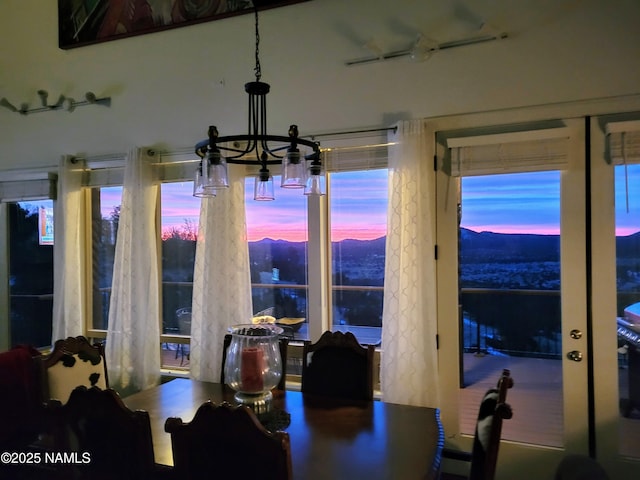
column 167, row 87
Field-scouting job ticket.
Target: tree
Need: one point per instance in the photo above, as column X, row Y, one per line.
column 114, row 216
column 31, row 264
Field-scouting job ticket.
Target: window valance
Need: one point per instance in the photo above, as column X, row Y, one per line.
column 24, row 185
column 623, row 142
column 108, row 170
column 350, row 158
column 526, row 151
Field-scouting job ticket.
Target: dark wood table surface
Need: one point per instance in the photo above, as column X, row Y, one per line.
column 373, row 440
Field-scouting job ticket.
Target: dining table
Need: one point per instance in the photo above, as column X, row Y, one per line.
column 330, row 439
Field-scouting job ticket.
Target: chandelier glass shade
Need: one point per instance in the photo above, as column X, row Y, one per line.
column 299, row 169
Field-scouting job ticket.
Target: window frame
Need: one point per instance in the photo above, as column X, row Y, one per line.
column 108, row 170
column 17, row 186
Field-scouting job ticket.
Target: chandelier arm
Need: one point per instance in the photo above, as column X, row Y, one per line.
column 201, row 147
column 268, row 138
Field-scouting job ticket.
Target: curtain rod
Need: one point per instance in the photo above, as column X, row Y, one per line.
column 351, row 132
column 189, row 150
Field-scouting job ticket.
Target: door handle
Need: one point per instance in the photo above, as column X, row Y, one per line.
column 575, row 355
column 575, row 334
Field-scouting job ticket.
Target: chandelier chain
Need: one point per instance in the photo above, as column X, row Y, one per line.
column 257, row 69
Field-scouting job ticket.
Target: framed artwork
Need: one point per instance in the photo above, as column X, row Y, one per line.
column 85, row 22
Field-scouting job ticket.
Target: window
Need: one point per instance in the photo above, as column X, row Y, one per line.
column 179, row 215
column 26, row 263
column 179, row 212
column 105, row 215
column 278, row 243
column 358, row 225
column 510, row 292
column 510, row 264
column 277, row 236
column 31, row 272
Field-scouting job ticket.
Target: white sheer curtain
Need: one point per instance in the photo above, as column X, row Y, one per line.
column 409, row 370
column 133, row 338
column 69, row 251
column 221, row 277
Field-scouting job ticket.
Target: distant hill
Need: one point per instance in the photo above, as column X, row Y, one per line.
column 357, row 261
column 346, row 248
column 275, row 248
column 487, row 247
column 477, row 247
column 353, row 249
column 628, row 246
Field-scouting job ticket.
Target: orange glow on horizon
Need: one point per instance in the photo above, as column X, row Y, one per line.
column 337, row 235
column 295, row 235
column 290, row 235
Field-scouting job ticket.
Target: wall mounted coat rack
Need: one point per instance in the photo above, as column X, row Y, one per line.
column 62, row 103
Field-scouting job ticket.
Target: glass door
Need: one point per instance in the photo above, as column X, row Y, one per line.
column 31, row 240
column 615, row 186
column 510, row 299
column 514, row 227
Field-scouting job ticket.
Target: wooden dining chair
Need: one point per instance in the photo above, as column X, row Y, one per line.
column 338, row 366
column 227, row 442
column 19, row 398
column 283, row 344
column 74, row 361
column 486, row 443
column 111, row 442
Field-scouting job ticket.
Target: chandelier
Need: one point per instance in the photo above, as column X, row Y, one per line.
column 256, row 147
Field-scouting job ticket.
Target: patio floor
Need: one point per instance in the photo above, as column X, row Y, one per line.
column 538, row 392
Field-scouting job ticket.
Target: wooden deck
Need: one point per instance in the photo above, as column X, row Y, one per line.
column 538, row 392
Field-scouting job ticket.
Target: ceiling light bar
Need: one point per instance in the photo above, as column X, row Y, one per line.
column 441, row 46
column 66, row 103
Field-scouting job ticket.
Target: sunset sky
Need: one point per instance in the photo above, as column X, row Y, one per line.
column 490, row 204
column 358, row 211
column 506, row 204
column 497, row 204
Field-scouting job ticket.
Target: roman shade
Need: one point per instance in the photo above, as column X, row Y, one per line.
column 27, row 185
column 345, row 159
column 623, row 142
column 108, row 170
column 104, row 171
column 514, row 152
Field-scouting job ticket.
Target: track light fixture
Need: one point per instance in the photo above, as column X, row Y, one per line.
column 69, row 104
column 422, row 48
column 256, row 147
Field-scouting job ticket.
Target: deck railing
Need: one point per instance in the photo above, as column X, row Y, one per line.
column 512, row 322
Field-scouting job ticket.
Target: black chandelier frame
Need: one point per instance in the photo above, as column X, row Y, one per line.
column 257, row 140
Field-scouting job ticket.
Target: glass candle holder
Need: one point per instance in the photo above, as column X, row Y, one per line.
column 253, row 365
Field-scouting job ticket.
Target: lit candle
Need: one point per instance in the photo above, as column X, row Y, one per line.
column 251, row 370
